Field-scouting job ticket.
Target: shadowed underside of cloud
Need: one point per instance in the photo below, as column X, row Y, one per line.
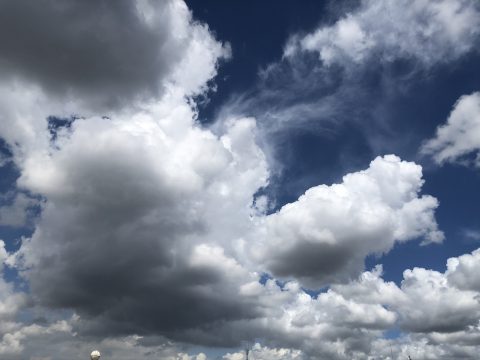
column 439, row 312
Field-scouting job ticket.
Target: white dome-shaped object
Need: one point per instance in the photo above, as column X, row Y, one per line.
column 95, row 355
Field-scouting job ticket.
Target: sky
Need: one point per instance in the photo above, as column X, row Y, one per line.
column 184, row 180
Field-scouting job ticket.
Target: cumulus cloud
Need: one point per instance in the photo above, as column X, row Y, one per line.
column 434, row 305
column 133, row 208
column 427, row 301
column 142, row 208
column 463, row 271
column 325, row 235
column 106, row 54
column 460, row 136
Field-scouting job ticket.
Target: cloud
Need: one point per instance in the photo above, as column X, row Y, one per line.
column 442, row 320
column 460, row 136
column 143, row 208
column 136, row 209
column 427, row 301
column 266, row 353
column 12, row 345
column 107, row 55
column 148, row 225
column 434, row 305
column 325, row 235
column 428, row 31
column 11, row 301
column 17, row 211
column 463, row 271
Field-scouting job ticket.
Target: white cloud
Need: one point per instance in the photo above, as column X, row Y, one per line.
column 429, row 31
column 325, row 235
column 427, row 301
column 434, row 305
column 464, row 271
column 460, row 136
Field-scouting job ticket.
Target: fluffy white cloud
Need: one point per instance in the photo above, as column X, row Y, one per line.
column 464, row 271
column 440, row 319
column 427, row 301
column 325, row 235
column 460, row 136
column 434, row 305
column 429, row 31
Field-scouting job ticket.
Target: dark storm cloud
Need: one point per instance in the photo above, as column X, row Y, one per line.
column 103, row 51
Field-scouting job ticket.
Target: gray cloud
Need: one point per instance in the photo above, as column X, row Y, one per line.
column 128, row 237
column 105, row 53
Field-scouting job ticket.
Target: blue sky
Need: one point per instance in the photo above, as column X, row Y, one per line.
column 184, row 180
